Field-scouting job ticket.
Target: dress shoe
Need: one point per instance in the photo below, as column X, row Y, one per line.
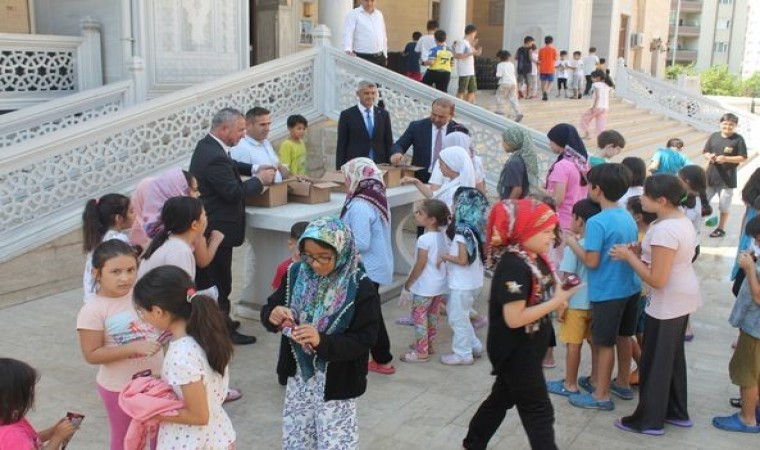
column 241, row 339
column 234, row 324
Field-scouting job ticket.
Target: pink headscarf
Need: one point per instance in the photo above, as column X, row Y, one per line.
column 149, row 198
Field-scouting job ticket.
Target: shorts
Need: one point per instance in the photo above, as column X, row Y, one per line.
column 724, row 197
column 576, row 327
column 547, row 77
column 523, row 79
column 468, row 83
column 744, row 368
column 613, row 318
column 642, row 315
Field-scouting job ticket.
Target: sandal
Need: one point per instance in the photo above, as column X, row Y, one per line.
column 717, row 233
column 380, row 368
column 413, row 357
column 736, row 402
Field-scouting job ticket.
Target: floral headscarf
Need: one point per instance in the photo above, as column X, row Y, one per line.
column 522, row 144
column 325, row 302
column 365, row 181
column 565, row 135
column 470, row 215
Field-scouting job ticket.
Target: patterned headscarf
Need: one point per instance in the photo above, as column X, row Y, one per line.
column 365, row 181
column 565, row 135
column 511, row 223
column 522, row 145
column 325, row 302
column 470, row 215
column 166, row 185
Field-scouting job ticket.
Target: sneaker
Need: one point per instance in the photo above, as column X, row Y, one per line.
column 405, row 320
column 544, row 97
column 519, row 117
column 587, row 401
column 414, row 357
column 651, row 432
column 558, row 387
column 734, row 423
column 452, row 359
column 479, row 322
column 622, row 392
column 585, row 383
column 477, row 353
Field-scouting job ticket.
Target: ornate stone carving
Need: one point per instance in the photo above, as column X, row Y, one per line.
column 37, row 70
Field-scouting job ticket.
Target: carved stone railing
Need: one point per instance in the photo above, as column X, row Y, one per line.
column 35, row 121
column 676, row 103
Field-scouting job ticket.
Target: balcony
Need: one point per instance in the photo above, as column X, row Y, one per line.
column 685, row 30
column 683, row 56
column 687, row 5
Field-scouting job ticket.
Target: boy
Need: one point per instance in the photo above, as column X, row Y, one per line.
column 724, row 151
column 507, row 91
column 292, row 151
column 465, row 52
column 524, row 67
column 589, row 65
column 412, row 58
column 609, row 143
column 613, row 289
column 576, row 74
column 563, row 73
column 744, row 368
column 439, row 62
column 575, row 324
column 547, row 59
column 426, row 43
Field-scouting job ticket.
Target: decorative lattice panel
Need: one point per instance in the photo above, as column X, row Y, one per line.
column 37, row 70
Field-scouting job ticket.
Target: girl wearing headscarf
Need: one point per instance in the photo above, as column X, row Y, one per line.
column 460, row 137
column 366, row 213
column 520, row 173
column 456, row 167
column 523, row 293
column 566, row 179
column 329, row 309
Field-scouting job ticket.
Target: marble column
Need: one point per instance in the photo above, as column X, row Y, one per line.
column 333, row 14
column 453, row 18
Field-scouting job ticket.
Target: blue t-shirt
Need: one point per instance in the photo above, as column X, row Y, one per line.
column 571, row 264
column 671, row 161
column 411, row 58
column 611, row 280
column 745, row 314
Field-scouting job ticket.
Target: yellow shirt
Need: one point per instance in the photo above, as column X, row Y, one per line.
column 293, row 155
column 442, row 57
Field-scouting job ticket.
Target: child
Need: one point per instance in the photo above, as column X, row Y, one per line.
column 563, row 73
column 465, row 52
column 295, row 234
column 576, row 75
column 108, row 217
column 743, row 368
column 638, row 169
column 599, row 107
column 112, row 335
column 664, row 265
column 412, row 58
column 465, row 272
column 669, row 159
column 292, row 151
column 507, row 91
column 610, row 143
column 520, row 172
column 575, row 325
column 547, row 59
column 613, row 289
column 439, row 62
column 196, row 362
column 523, row 293
column 17, row 382
column 427, row 281
column 589, row 65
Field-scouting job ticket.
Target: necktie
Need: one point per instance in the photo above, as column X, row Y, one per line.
column 437, row 146
column 370, row 130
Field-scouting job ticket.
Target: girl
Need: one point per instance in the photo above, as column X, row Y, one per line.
column 457, row 170
column 459, row 137
column 665, row 265
column 669, row 159
column 366, row 213
column 330, row 309
column 112, row 336
column 520, row 173
column 427, row 280
column 523, row 293
column 17, row 382
column 105, row 218
column 196, row 362
column 638, row 169
column 465, row 272
column 600, row 106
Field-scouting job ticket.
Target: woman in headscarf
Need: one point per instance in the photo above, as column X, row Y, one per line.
column 523, row 293
column 566, row 180
column 367, row 215
column 520, row 174
column 456, row 167
column 328, row 308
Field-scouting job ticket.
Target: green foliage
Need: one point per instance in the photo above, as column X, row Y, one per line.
column 717, row 80
column 751, row 86
column 672, row 72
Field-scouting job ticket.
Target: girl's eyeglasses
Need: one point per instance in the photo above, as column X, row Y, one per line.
column 319, row 259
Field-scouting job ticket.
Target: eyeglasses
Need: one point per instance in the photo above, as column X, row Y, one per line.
column 322, row 260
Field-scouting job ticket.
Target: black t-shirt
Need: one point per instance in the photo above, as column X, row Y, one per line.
column 513, row 281
column 514, row 174
column 724, row 175
column 524, row 63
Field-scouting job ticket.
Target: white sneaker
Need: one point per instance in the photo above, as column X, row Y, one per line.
column 452, row 359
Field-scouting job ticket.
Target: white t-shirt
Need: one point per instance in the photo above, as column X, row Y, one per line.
column 604, row 94
column 480, row 172
column 505, row 71
column 257, row 154
column 561, row 66
column 466, row 66
column 695, row 215
column 589, row 63
column 87, row 279
column 632, row 191
column 681, row 294
column 432, row 280
column 174, row 252
column 464, row 277
column 534, row 61
column 578, row 65
column 423, row 47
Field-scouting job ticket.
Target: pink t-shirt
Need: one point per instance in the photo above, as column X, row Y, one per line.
column 566, row 172
column 681, row 294
column 174, row 252
column 118, row 320
column 19, row 436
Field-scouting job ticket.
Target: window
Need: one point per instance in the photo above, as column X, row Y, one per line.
column 720, row 47
column 435, row 14
column 496, row 13
column 724, row 24
column 727, row 2
column 306, row 27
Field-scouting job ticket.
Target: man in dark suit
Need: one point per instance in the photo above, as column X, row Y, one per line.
column 223, row 194
column 364, row 129
column 426, row 136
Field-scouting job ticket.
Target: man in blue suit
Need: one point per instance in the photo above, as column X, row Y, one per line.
column 364, row 129
column 426, row 136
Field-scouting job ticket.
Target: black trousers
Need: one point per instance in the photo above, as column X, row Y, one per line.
column 587, row 91
column 662, row 389
column 520, row 382
column 376, row 58
column 381, row 352
column 219, row 274
column 438, row 79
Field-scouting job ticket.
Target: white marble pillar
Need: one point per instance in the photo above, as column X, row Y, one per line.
column 453, row 20
column 333, row 14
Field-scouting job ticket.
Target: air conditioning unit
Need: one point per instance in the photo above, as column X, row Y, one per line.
column 637, row 40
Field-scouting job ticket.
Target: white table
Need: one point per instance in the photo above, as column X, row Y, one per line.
column 268, row 230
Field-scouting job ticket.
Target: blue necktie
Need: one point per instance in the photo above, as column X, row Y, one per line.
column 370, row 130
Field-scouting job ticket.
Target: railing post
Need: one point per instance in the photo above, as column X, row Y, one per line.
column 89, row 63
column 324, row 76
column 136, row 66
column 621, row 79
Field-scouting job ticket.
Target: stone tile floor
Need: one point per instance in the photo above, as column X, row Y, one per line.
column 422, row 406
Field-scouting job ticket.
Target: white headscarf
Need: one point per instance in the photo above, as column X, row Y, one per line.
column 457, row 139
column 458, row 159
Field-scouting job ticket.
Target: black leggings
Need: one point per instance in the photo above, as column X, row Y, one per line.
column 381, row 352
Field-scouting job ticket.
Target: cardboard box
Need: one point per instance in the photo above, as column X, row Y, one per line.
column 274, row 195
column 393, row 174
column 310, row 192
column 336, row 177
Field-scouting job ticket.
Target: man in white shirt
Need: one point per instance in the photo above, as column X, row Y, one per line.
column 255, row 149
column 426, row 43
column 364, row 33
column 589, row 65
column 465, row 52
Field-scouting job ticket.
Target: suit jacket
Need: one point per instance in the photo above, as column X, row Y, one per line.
column 419, row 134
column 222, row 191
column 354, row 140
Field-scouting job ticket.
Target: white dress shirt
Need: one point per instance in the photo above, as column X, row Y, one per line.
column 364, row 32
column 257, row 154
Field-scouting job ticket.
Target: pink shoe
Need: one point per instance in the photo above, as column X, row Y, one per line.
column 414, row 357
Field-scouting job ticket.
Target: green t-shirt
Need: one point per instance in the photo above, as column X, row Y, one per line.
column 293, row 155
column 595, row 160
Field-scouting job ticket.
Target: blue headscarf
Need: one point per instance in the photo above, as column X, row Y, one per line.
column 470, row 208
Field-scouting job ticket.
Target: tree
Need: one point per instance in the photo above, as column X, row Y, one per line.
column 751, row 86
column 672, row 72
column 717, row 80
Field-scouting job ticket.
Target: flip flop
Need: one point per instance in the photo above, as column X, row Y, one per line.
column 233, row 395
column 717, row 233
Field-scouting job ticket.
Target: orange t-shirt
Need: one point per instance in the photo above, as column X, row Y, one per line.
column 548, row 58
